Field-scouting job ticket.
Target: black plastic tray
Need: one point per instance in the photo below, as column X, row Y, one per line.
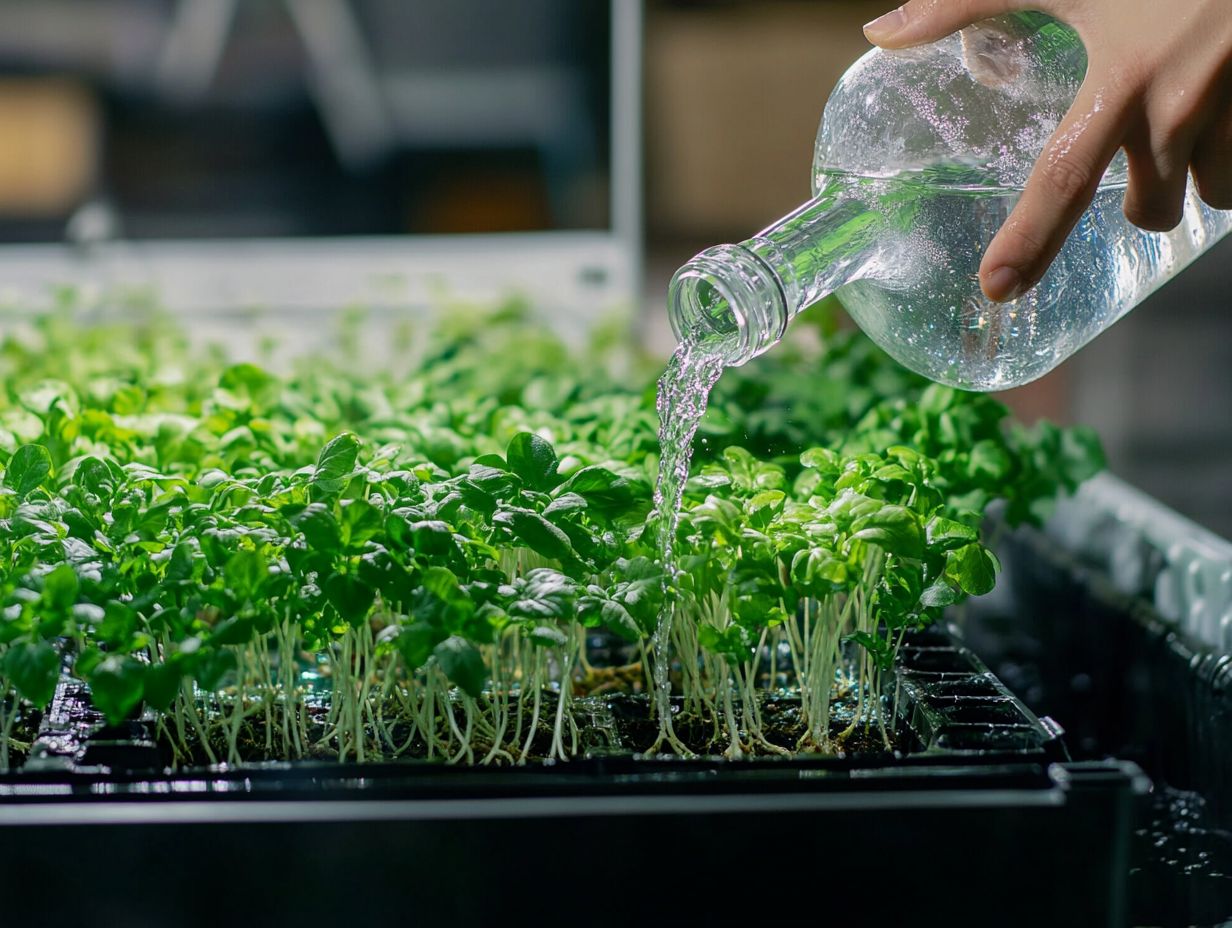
column 1133, row 685
column 1004, row 845
column 983, row 809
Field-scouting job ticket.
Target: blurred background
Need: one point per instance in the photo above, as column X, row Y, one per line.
column 222, row 118
column 655, row 129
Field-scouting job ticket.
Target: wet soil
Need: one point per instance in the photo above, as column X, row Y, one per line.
column 616, row 723
column 781, row 725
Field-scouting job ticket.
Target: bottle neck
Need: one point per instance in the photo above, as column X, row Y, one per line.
column 737, row 300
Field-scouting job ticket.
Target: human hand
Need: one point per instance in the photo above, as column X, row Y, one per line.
column 1158, row 84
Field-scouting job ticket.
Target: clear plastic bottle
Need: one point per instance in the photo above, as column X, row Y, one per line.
column 920, row 157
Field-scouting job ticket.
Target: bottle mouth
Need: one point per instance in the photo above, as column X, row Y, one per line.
column 728, row 302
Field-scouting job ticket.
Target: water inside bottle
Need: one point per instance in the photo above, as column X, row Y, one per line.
column 916, row 292
column 902, row 253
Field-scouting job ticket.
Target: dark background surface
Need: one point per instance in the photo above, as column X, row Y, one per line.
column 304, row 117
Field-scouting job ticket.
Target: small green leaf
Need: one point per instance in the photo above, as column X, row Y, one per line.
column 94, row 476
column 937, row 398
column 462, row 664
column 335, row 465
column 988, row 464
column 543, row 594
column 162, row 685
column 245, row 571
column 549, row 636
column 850, row 506
column 605, row 492
column 248, row 379
column 1082, row 455
column 33, row 667
column 733, row 641
column 973, row 568
column 894, row 529
column 440, row 581
column 536, row 533
column 319, row 526
column 822, row 460
column 212, row 666
column 116, row 686
column 60, row 588
column 232, row 631
column 878, row 648
column 415, row 643
column 350, row 596
column 360, row 521
column 566, row 502
column 765, row 506
column 534, row 460
column 431, row 538
column 118, row 624
column 28, row 468
column 939, row 594
column 185, row 563
column 617, row 619
column 945, row 534
column 818, row 572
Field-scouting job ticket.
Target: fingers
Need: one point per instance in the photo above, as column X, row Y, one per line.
column 1173, row 115
column 1059, row 189
column 919, row 21
column 1212, row 162
column 1158, row 172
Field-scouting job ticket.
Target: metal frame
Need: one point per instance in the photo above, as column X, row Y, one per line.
column 573, row 276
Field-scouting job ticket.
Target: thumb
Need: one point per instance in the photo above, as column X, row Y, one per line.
column 918, row 22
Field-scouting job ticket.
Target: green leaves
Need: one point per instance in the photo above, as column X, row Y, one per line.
column 415, row 643
column 1082, row 455
column 462, row 664
column 532, row 530
column 989, row 464
column 162, row 684
column 350, row 597
column 33, row 667
column 606, row 493
column 319, row 526
column 60, row 588
column 245, row 571
column 973, row 569
column 894, row 529
column 598, row 609
column 946, row 534
column 734, row 641
column 116, row 686
column 29, row 466
column 532, row 459
column 541, row 594
column 878, row 648
column 171, row 517
column 817, row 572
column 335, row 465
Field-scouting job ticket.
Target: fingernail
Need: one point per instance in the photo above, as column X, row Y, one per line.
column 1003, row 284
column 884, row 28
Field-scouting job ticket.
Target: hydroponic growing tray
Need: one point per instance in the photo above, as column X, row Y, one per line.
column 980, row 818
column 1116, row 620
column 983, row 799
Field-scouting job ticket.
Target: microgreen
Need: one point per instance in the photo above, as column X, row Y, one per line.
column 371, row 563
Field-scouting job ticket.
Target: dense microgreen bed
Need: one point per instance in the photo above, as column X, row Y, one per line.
column 440, row 561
